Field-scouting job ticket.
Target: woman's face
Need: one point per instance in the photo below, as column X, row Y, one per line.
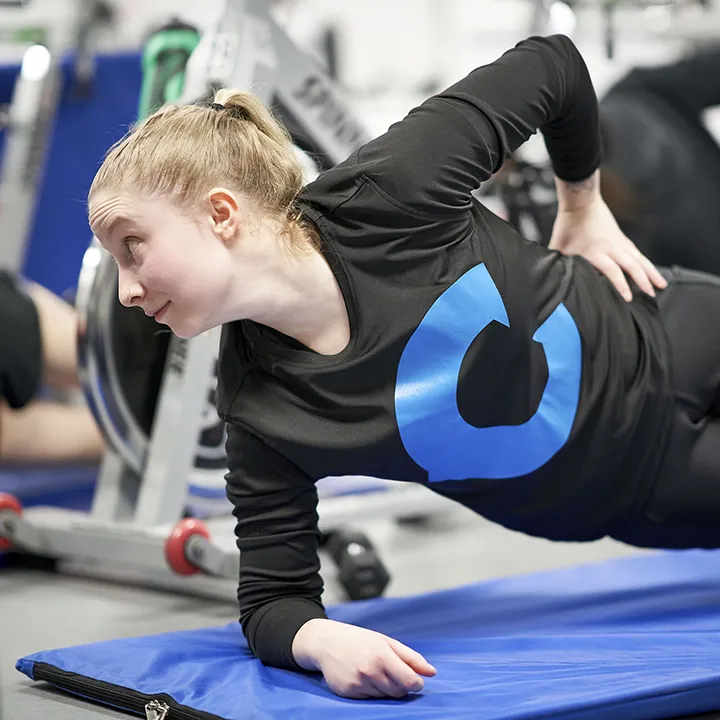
column 175, row 267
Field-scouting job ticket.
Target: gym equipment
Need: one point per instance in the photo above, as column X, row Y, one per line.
column 9, row 505
column 29, row 119
column 526, row 197
column 122, row 355
column 631, row 639
column 165, row 57
column 543, row 10
column 83, row 131
column 159, row 441
column 93, row 15
column 361, row 572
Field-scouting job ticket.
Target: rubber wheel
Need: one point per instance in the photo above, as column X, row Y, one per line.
column 176, row 543
column 8, row 502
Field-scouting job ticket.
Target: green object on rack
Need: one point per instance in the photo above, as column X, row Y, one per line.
column 165, row 57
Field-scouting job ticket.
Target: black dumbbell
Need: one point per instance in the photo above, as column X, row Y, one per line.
column 362, row 573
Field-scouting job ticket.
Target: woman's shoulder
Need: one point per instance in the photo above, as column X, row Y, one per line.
column 333, row 187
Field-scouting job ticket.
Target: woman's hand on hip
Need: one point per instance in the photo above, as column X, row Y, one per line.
column 360, row 663
column 592, row 232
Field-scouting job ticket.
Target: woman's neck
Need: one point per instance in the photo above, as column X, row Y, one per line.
column 296, row 293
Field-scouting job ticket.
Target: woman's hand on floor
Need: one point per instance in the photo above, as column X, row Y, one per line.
column 360, row 663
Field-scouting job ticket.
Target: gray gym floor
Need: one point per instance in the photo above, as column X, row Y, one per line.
column 40, row 611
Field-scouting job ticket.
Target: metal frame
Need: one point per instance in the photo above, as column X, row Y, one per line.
column 608, row 8
column 142, row 488
column 251, row 51
column 30, row 118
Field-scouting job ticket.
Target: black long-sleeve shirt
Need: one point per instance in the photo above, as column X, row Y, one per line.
column 657, row 145
column 510, row 378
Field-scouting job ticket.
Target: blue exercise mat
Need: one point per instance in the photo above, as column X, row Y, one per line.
column 630, row 639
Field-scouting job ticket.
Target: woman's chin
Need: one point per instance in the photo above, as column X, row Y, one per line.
column 187, row 330
column 184, row 332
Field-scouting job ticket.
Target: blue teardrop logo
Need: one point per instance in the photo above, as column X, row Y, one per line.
column 431, row 428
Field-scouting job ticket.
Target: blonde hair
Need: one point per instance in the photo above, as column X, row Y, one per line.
column 182, row 151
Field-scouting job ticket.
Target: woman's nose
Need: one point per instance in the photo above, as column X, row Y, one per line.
column 130, row 292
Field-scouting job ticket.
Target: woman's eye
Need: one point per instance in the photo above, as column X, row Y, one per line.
column 131, row 245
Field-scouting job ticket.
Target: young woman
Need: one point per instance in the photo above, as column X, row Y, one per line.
column 381, row 322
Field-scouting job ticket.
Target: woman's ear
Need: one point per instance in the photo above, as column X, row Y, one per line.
column 224, row 214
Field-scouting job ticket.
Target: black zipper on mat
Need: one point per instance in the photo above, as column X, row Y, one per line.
column 152, row 707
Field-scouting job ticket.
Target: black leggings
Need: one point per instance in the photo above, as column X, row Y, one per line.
column 683, row 510
column 20, row 344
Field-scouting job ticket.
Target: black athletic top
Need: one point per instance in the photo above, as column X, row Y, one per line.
column 510, row 378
